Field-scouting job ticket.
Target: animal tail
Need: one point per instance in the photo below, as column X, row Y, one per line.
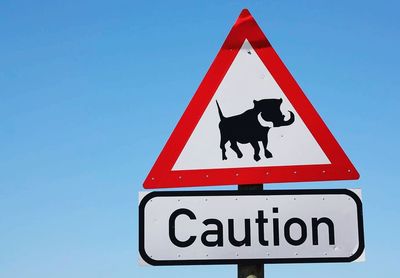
column 221, row 116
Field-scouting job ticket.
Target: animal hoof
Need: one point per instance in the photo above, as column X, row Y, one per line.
column 257, row 157
column 268, row 155
column 240, row 155
column 224, row 158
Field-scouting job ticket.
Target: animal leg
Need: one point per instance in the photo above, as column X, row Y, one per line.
column 267, row 153
column 236, row 149
column 223, row 149
column 256, row 148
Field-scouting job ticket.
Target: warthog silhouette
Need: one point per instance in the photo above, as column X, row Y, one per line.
column 252, row 126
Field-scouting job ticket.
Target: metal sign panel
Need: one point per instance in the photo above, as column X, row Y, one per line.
column 249, row 123
column 230, row 227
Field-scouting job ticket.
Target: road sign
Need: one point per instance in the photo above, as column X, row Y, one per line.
column 248, row 123
column 230, row 227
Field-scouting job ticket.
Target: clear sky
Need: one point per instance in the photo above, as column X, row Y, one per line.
column 91, row 90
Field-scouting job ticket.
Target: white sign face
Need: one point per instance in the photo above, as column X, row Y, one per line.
column 271, row 226
column 247, row 80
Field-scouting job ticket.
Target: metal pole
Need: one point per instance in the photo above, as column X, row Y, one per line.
column 250, row 270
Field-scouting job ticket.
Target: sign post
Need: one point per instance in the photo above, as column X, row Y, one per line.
column 246, row 270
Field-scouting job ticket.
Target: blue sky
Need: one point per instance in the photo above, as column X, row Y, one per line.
column 91, row 90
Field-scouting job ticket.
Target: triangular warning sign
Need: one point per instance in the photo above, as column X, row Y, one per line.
column 249, row 123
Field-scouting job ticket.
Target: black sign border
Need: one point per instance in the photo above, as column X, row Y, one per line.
column 347, row 192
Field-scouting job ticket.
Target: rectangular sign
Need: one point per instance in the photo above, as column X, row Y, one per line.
column 270, row 226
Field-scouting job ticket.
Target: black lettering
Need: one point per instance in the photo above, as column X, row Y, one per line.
column 261, row 221
column 331, row 230
column 275, row 226
column 172, row 235
column 303, row 227
column 217, row 232
column 231, row 233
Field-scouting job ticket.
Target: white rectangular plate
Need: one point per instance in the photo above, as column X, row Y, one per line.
column 269, row 226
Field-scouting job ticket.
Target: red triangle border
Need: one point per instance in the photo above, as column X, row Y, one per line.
column 162, row 176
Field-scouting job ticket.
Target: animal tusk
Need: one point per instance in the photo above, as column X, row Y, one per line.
column 288, row 121
column 263, row 122
column 287, row 116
